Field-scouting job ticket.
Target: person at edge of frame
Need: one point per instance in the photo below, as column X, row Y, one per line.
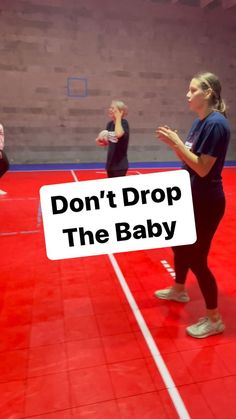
column 203, row 156
column 116, row 138
column 4, row 163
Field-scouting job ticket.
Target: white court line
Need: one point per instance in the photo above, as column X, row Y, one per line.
column 15, row 233
column 129, row 171
column 19, row 199
column 39, row 215
column 74, row 176
column 169, row 269
column 161, row 366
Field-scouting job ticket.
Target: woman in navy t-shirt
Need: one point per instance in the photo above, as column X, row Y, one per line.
column 203, row 156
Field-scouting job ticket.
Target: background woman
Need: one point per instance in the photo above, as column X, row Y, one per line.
column 116, row 137
column 4, row 164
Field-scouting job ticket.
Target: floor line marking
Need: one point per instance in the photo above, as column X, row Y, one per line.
column 14, row 233
column 168, row 268
column 39, row 216
column 161, row 366
column 129, row 171
column 19, row 199
column 76, row 179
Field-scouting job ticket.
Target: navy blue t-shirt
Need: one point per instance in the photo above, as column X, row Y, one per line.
column 117, row 152
column 208, row 136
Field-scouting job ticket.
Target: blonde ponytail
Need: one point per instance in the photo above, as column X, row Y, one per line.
column 221, row 106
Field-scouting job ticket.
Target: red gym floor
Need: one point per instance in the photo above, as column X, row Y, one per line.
column 70, row 345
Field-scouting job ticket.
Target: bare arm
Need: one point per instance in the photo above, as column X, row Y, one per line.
column 119, row 131
column 1, row 139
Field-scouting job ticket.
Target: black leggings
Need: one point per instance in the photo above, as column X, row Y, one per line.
column 4, row 164
column 208, row 214
column 116, row 173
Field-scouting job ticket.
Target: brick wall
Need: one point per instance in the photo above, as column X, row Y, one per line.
column 141, row 51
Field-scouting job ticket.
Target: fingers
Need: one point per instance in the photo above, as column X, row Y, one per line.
column 165, row 131
column 102, row 142
column 161, row 131
column 167, row 128
column 162, row 136
column 118, row 112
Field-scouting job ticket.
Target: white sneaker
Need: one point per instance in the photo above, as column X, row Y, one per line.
column 205, row 327
column 3, row 192
column 173, row 295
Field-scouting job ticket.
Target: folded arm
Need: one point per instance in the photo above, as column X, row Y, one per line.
column 200, row 164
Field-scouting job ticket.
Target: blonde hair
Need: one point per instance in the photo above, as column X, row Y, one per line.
column 121, row 106
column 210, row 81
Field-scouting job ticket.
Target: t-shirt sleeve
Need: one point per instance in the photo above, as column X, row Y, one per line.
column 213, row 140
column 125, row 127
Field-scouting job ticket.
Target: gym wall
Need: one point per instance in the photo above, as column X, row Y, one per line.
column 63, row 61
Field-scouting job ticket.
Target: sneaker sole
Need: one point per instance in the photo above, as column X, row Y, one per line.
column 171, row 299
column 218, row 332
